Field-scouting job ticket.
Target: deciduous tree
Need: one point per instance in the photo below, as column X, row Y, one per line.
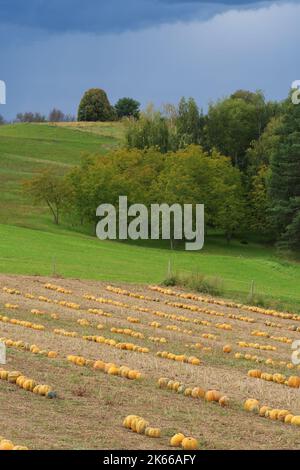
column 95, row 106
column 48, row 188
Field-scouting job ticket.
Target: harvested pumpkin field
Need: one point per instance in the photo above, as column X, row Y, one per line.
column 83, row 355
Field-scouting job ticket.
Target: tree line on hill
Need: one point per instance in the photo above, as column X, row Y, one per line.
column 55, row 115
column 241, row 159
column 94, row 106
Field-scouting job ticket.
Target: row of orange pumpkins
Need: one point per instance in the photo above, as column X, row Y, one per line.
column 155, row 324
column 293, row 381
column 38, row 312
column 106, row 367
column 117, row 290
column 133, row 319
column 11, row 306
column 42, row 298
column 179, row 329
column 262, row 347
column 199, row 346
column 201, row 299
column 59, row 289
column 285, row 416
column 10, row 343
column 63, row 332
column 244, row 318
column 128, row 332
column 279, row 325
column 116, row 344
column 158, row 339
column 269, row 361
column 100, row 312
column 141, row 426
column 194, row 392
column 224, row 303
column 25, row 324
column 28, row 384
column 265, row 334
column 195, row 308
column 10, row 290
column 195, row 361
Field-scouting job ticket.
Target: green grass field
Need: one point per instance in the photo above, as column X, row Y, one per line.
column 31, row 244
column 28, row 148
column 70, row 254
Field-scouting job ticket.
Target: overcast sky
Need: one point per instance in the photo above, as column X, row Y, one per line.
column 151, row 50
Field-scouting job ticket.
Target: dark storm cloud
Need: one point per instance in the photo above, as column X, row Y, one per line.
column 152, row 50
column 107, row 15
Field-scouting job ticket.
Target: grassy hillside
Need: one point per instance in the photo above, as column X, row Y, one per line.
column 31, row 244
column 29, row 148
column 104, row 129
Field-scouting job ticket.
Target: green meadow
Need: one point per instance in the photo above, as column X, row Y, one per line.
column 29, row 148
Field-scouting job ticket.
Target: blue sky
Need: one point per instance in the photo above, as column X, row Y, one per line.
column 153, row 50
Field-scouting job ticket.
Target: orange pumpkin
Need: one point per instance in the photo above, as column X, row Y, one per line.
column 134, row 423
column 52, row 354
column 224, row 401
column 256, row 373
column 213, row 395
column 134, row 374
column 113, row 370
column 141, row 426
column 288, row 418
column 194, row 361
column 295, row 420
column 177, row 439
column 189, row 443
column 176, row 386
column 6, row 445
column 99, row 365
column 195, row 392
column 128, row 420
column 163, row 382
column 282, row 414
column 279, row 378
column 263, row 410
column 251, row 405
column 108, row 365
column 294, row 381
column 152, row 432
column 273, row 414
